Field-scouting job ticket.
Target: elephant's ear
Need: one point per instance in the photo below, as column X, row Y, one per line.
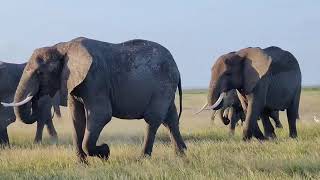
column 77, row 62
column 256, row 65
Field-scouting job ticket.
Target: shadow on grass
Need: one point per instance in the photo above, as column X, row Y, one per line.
column 65, row 140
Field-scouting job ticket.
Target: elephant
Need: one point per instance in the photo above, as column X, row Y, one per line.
column 10, row 75
column 267, row 80
column 136, row 79
column 232, row 111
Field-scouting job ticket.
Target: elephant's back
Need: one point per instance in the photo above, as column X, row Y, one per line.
column 141, row 57
column 282, row 61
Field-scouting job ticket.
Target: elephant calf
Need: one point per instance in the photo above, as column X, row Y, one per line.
column 136, row 79
column 232, row 111
column 10, row 75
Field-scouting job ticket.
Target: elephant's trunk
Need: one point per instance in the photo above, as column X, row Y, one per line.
column 28, row 86
column 215, row 95
column 224, row 117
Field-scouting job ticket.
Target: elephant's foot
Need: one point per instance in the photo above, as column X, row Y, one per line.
column 181, row 150
column 82, row 158
column 101, row 151
column 293, row 135
column 231, row 132
column 247, row 134
column 54, row 140
column 144, row 156
column 37, row 141
column 270, row 136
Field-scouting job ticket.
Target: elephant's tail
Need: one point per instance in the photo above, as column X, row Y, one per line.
column 180, row 97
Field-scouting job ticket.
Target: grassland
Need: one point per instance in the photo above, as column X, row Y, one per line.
column 212, row 153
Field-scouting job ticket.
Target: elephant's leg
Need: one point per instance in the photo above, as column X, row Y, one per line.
column 268, row 128
column 39, row 132
column 242, row 116
column 234, row 117
column 293, row 114
column 251, row 126
column 275, row 116
column 52, row 131
column 98, row 115
column 4, row 138
column 292, row 118
column 149, row 137
column 172, row 124
column 77, row 114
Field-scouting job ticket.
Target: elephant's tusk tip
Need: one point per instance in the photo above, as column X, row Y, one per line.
column 315, row 119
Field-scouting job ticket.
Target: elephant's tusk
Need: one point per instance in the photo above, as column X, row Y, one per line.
column 222, row 95
column 18, row 103
column 316, row 119
column 203, row 108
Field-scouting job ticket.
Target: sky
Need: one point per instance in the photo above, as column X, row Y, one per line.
column 195, row 32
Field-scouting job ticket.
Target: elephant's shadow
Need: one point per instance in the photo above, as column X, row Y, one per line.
column 161, row 137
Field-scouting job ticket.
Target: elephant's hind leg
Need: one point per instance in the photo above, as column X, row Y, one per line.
column 52, row 131
column 98, row 115
column 77, row 114
column 275, row 116
column 149, row 137
column 292, row 115
column 154, row 117
column 172, row 124
column 268, row 127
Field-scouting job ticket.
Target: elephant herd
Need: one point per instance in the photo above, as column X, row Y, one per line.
column 138, row 79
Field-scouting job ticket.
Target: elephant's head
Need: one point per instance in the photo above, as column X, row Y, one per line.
column 63, row 66
column 240, row 70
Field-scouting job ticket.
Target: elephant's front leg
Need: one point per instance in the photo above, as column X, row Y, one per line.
column 234, row 118
column 251, row 126
column 77, row 114
column 98, row 114
column 39, row 132
column 4, row 139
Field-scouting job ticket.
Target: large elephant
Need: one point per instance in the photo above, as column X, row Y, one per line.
column 10, row 75
column 131, row 80
column 267, row 79
column 232, row 111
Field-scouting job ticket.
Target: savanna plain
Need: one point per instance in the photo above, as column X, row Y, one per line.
column 212, row 153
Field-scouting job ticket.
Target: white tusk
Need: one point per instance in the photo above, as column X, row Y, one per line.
column 213, row 106
column 18, row 103
column 315, row 119
column 203, row 108
column 218, row 101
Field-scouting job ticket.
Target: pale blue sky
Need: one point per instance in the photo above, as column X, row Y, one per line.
column 196, row 32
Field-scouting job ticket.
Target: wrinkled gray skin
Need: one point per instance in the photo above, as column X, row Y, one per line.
column 267, row 79
column 132, row 80
column 9, row 78
column 232, row 111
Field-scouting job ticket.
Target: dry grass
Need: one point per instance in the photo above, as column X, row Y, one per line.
column 212, row 153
